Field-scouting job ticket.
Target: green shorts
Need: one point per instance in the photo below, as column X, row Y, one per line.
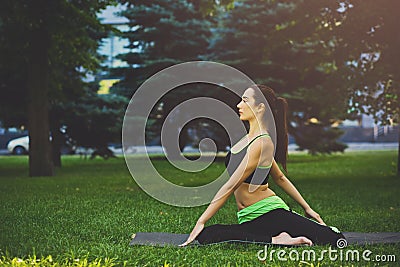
column 261, row 207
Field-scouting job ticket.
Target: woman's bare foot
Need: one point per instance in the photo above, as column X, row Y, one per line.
column 285, row 239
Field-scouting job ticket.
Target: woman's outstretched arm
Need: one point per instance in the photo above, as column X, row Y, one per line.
column 282, row 181
column 245, row 168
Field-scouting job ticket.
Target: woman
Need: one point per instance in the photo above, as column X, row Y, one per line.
column 263, row 216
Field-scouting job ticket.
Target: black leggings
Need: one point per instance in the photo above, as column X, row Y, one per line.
column 268, row 225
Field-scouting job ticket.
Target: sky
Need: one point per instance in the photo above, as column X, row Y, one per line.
column 108, row 15
column 114, row 45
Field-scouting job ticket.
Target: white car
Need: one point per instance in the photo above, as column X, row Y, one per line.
column 19, row 146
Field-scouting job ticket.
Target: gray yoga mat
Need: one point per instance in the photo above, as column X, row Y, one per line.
column 170, row 239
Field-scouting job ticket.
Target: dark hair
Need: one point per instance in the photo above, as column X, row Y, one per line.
column 279, row 108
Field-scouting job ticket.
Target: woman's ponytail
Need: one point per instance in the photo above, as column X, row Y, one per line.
column 279, row 108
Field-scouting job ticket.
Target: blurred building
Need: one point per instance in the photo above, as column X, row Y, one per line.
column 366, row 130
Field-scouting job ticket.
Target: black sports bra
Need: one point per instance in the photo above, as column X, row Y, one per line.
column 258, row 176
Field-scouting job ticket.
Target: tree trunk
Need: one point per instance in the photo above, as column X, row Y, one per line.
column 398, row 152
column 40, row 162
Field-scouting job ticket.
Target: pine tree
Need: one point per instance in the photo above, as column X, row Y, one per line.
column 163, row 33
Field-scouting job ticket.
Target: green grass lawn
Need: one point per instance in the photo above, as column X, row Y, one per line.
column 86, row 214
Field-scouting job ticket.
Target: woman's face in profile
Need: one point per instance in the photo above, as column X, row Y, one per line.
column 246, row 106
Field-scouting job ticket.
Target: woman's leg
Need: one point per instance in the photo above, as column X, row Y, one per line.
column 297, row 225
column 257, row 230
column 281, row 220
column 269, row 225
column 223, row 232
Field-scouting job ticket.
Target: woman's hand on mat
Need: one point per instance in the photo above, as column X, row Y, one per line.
column 195, row 232
column 310, row 213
